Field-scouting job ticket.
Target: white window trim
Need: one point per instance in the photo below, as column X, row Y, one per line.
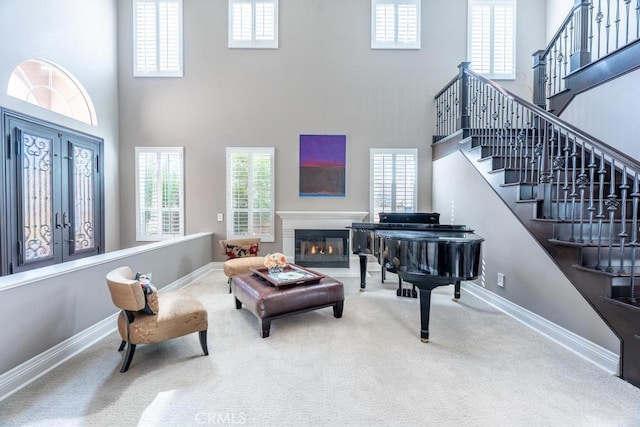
column 396, row 151
column 140, row 236
column 491, row 74
column 157, row 72
column 396, row 44
column 250, row 150
column 253, row 43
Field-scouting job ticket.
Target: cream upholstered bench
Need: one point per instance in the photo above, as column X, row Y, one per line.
column 242, row 255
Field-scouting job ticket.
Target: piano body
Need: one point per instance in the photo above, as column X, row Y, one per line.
column 364, row 241
column 425, row 255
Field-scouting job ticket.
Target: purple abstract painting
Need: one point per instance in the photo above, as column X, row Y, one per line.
column 322, row 165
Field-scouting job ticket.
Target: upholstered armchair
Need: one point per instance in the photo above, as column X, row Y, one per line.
column 155, row 317
column 242, row 255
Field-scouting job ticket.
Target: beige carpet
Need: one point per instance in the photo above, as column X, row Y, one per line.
column 480, row 368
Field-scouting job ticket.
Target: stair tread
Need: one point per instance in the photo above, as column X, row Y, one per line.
column 605, row 273
column 625, row 302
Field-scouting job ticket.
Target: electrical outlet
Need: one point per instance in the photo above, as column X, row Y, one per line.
column 220, row 217
column 501, row 280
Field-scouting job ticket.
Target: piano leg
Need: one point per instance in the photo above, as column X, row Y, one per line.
column 456, row 291
column 425, row 307
column 363, row 271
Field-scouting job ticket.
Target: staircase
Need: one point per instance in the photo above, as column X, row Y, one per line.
column 576, row 195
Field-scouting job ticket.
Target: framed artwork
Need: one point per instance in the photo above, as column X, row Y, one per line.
column 322, row 165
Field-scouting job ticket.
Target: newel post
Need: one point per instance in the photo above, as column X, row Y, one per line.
column 464, row 122
column 540, row 79
column 580, row 54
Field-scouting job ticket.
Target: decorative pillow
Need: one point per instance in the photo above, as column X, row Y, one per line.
column 150, row 293
column 241, row 251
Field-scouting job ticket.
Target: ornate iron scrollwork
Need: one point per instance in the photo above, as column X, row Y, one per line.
column 611, row 202
column 558, row 162
column 582, row 180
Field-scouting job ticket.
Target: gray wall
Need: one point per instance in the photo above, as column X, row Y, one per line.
column 81, row 37
column 557, row 10
column 324, row 78
column 532, row 280
column 42, row 308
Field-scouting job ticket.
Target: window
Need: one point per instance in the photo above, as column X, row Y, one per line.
column 491, row 44
column 159, row 193
column 395, row 24
column 51, row 195
column 394, row 181
column 157, row 38
column 253, row 23
column 49, row 86
column 250, row 199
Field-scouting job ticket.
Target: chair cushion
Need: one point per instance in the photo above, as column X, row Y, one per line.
column 241, row 251
column 235, row 266
column 179, row 313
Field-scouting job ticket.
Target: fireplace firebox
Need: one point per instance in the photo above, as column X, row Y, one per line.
column 322, row 248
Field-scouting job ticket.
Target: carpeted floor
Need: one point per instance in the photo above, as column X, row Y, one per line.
column 481, row 368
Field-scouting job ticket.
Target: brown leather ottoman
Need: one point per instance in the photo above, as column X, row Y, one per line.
column 268, row 302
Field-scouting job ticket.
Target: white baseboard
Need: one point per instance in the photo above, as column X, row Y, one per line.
column 29, row 371
column 594, row 353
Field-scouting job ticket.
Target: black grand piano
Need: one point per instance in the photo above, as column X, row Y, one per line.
column 421, row 252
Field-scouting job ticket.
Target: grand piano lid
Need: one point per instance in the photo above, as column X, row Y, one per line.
column 452, row 235
column 377, row 226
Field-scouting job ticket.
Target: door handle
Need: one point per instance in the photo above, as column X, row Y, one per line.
column 65, row 220
column 57, row 220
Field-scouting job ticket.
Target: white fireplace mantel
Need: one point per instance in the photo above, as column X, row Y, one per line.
column 317, row 220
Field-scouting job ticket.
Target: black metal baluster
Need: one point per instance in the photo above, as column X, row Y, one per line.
column 591, row 27
column 601, row 172
column 592, row 175
column 608, row 26
column 612, row 204
column 565, row 59
column 557, row 166
column 627, row 5
column 582, row 182
column 638, row 19
column 623, row 217
column 599, row 17
column 574, row 195
column 617, row 21
column 634, row 236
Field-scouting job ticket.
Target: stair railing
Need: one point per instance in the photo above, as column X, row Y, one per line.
column 582, row 182
column 592, row 30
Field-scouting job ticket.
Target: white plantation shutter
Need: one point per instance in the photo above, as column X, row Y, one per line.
column 250, row 198
column 159, row 193
column 157, row 35
column 253, row 23
column 394, row 181
column 491, row 44
column 385, row 19
column 395, row 24
column 265, row 21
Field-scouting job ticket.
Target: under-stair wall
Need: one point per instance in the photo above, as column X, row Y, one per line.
column 532, row 280
column 610, row 113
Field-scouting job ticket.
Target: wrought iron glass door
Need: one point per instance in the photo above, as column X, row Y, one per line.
column 54, row 196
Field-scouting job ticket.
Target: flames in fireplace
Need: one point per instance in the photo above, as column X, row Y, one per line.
column 319, row 249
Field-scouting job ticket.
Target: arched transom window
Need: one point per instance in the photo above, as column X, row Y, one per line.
column 52, row 87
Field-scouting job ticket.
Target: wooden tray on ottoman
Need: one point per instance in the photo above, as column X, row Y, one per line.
column 291, row 274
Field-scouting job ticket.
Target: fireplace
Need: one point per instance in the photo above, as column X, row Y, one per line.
column 319, row 220
column 322, row 248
